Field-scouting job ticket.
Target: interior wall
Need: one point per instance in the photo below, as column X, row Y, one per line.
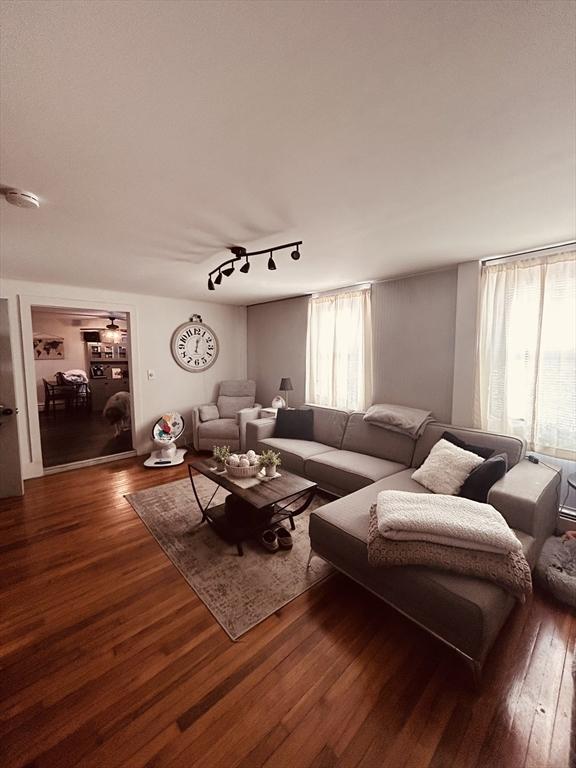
column 152, row 322
column 277, row 348
column 414, row 332
column 414, row 326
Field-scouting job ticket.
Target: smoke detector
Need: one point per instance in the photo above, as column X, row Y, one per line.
column 21, row 199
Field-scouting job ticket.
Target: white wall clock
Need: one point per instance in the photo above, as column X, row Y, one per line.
column 194, row 345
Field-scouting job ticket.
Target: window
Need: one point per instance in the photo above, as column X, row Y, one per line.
column 339, row 350
column 526, row 378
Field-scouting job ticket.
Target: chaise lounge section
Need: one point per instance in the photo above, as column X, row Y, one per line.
column 355, row 460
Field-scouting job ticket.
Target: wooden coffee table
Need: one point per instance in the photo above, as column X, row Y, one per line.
column 251, row 510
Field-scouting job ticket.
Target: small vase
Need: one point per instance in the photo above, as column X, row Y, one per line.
column 271, row 470
column 220, row 466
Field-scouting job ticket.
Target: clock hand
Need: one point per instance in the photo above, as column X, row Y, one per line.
column 196, row 350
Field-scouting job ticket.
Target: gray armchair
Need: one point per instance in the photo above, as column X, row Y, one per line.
column 224, row 422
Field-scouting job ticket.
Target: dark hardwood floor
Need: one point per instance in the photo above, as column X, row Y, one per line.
column 109, row 659
column 77, row 435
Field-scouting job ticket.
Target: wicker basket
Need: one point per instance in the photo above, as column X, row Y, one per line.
column 242, row 471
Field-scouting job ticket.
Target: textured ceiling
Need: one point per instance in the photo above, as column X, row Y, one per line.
column 390, row 137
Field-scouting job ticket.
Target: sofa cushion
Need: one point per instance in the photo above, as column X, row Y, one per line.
column 347, row 471
column 513, row 447
column 294, row 452
column 465, row 611
column 218, row 428
column 295, row 423
column 362, row 437
column 329, row 425
column 229, row 406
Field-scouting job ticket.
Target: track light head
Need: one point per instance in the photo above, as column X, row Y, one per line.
column 245, row 267
column 296, row 253
column 271, row 262
column 211, row 285
column 228, row 271
column 218, row 278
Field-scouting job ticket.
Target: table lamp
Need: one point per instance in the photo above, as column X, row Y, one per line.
column 286, row 386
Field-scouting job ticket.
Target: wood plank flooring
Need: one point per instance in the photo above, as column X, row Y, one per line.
column 109, row 659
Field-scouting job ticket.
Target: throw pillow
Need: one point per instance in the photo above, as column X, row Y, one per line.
column 481, row 479
column 480, row 450
column 209, row 412
column 295, row 423
column 446, row 468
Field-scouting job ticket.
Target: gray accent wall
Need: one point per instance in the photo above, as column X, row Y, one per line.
column 277, row 348
column 414, row 326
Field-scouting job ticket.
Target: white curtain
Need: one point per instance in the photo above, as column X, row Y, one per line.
column 526, row 375
column 339, row 350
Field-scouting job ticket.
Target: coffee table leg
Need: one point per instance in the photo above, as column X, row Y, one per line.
column 292, row 523
column 239, row 548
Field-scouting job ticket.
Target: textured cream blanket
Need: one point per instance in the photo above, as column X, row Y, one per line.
column 508, row 570
column 449, row 520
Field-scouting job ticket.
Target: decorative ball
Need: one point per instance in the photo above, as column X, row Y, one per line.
column 251, row 455
column 253, row 460
column 234, row 461
column 243, row 463
column 234, row 456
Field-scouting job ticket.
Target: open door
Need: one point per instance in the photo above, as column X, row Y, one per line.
column 10, row 469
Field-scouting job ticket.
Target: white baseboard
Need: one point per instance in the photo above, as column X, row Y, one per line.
column 88, row 462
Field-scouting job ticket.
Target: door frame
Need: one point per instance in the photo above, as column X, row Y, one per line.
column 35, row 467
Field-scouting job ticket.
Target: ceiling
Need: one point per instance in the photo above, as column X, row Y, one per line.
column 390, row 137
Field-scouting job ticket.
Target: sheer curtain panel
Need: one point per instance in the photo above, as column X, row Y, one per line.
column 339, row 350
column 526, row 374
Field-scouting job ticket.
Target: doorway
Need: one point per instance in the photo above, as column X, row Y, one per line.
column 83, row 387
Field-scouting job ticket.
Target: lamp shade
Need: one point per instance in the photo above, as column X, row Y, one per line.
column 285, row 386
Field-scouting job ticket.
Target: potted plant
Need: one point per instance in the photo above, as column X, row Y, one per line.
column 269, row 460
column 220, row 453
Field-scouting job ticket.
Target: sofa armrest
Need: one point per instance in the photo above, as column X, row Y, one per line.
column 528, row 497
column 242, row 418
column 259, row 430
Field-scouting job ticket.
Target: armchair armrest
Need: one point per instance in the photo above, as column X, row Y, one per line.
column 244, row 416
column 528, row 497
column 258, row 430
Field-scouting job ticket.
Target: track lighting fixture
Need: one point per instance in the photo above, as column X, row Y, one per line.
column 227, row 267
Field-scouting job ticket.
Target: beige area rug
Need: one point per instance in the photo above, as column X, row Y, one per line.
column 239, row 591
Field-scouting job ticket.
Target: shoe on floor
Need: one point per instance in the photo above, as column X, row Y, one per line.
column 269, row 540
column 284, row 537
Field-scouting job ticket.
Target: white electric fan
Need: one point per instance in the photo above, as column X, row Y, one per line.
column 165, row 432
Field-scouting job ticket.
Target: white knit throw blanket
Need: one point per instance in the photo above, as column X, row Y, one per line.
column 450, row 520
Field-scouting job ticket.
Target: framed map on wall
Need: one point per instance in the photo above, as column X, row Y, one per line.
column 48, row 347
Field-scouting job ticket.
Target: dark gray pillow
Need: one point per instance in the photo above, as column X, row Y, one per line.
column 479, row 450
column 481, row 479
column 295, row 423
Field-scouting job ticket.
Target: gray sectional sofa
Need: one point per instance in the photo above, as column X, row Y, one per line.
column 355, row 461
